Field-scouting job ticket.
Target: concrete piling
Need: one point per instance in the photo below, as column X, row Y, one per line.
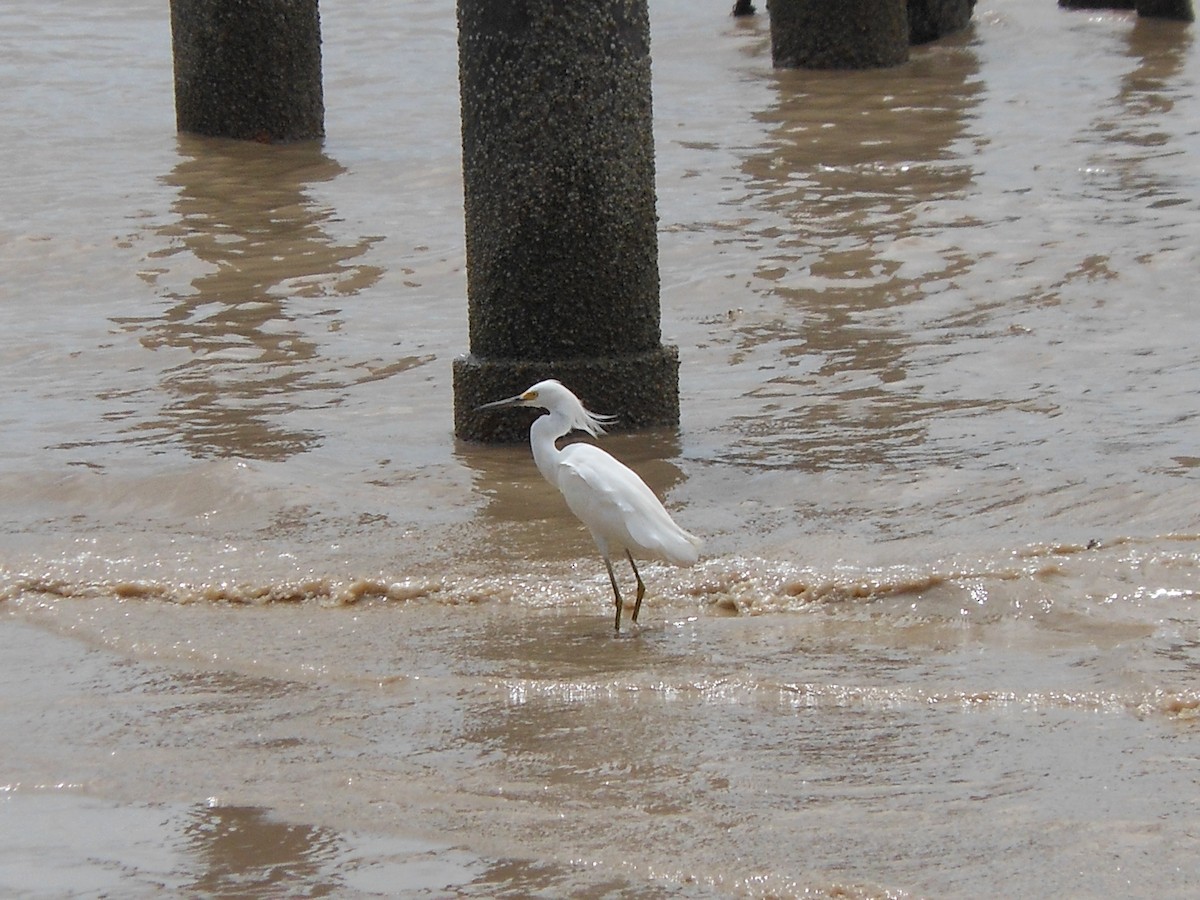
column 248, row 69
column 838, row 34
column 929, row 20
column 559, row 201
column 1181, row 10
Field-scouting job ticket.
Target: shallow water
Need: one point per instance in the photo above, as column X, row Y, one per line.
column 268, row 629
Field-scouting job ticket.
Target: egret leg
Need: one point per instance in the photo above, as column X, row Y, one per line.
column 616, row 592
column 637, row 604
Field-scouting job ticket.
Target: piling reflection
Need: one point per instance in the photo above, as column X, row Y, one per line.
column 1132, row 128
column 845, row 188
column 241, row 852
column 244, row 329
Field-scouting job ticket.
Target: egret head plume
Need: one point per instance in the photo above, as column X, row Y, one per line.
column 552, row 396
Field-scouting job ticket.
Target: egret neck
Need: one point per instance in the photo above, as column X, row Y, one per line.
column 543, row 439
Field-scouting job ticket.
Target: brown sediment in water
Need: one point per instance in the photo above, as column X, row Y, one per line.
column 933, row 412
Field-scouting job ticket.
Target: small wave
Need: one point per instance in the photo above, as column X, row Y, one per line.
column 1122, row 578
column 321, row 591
column 732, row 586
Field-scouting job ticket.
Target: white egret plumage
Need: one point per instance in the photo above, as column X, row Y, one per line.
column 618, row 508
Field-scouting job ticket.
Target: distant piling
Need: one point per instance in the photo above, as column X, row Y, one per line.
column 929, row 20
column 248, row 69
column 1181, row 10
column 559, row 200
column 1098, row 4
column 838, row 34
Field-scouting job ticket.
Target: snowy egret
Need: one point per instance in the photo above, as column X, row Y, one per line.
column 617, row 507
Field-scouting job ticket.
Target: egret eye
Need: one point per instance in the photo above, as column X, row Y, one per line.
column 529, row 395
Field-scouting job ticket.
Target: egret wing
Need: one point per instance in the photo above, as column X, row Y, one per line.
column 619, row 508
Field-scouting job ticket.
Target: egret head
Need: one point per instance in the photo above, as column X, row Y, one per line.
column 553, row 397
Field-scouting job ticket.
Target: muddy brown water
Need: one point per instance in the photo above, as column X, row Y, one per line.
column 268, row 630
